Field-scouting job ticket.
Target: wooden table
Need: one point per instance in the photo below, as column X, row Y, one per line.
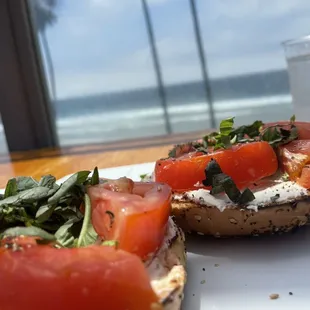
column 62, row 161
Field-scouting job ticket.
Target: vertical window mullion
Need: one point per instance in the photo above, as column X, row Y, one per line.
column 203, row 62
column 157, row 68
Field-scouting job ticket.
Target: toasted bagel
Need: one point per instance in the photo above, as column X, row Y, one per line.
column 277, row 208
column 167, row 268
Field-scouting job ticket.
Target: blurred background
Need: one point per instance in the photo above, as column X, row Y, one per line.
column 128, row 69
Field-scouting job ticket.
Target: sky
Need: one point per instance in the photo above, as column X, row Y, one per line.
column 102, row 45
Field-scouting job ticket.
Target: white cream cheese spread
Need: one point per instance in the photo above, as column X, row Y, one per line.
column 276, row 193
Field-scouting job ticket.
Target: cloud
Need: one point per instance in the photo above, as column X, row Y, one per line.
column 109, row 4
column 94, row 54
column 254, row 9
column 91, row 83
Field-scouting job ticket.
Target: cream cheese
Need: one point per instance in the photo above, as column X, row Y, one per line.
column 166, row 268
column 274, row 194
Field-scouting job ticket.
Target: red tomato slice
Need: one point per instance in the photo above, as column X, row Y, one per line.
column 244, row 163
column 133, row 213
column 293, row 158
column 304, row 179
column 303, row 128
column 94, row 277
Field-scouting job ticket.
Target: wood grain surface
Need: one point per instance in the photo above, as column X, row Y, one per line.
column 62, row 161
column 62, row 165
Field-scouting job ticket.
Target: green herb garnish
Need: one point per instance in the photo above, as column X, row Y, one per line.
column 144, row 177
column 293, row 118
column 87, row 235
column 49, row 211
column 275, row 197
column 228, row 135
column 28, row 232
column 112, row 243
column 276, row 135
column 223, row 138
column 95, row 177
column 221, row 182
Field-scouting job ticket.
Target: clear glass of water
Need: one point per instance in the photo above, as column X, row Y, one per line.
column 297, row 54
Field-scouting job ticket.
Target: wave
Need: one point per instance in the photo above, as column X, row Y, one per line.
column 176, row 113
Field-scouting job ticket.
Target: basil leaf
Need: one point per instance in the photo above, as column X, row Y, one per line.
column 48, row 181
column 275, row 198
column 27, row 196
column 226, row 126
column 228, row 185
column 11, row 188
column 95, row 177
column 212, row 169
column 31, row 231
column 221, row 182
column 44, row 213
column 12, row 215
column 249, row 130
column 221, row 139
column 88, row 234
column 112, row 243
column 181, row 149
column 66, row 234
column 225, row 142
column 68, row 212
column 293, row 118
column 271, row 134
column 24, row 183
column 143, row 176
column 293, row 134
column 276, row 135
column 246, row 197
column 76, row 179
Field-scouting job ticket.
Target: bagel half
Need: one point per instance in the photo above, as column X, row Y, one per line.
column 278, row 207
column 167, row 268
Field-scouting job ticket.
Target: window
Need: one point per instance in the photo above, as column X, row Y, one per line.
column 100, row 72
column 245, row 57
column 180, row 65
column 124, row 69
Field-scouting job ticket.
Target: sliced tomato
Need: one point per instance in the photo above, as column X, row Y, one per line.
column 244, row 163
column 133, row 213
column 294, row 158
column 94, row 277
column 303, row 128
column 304, row 179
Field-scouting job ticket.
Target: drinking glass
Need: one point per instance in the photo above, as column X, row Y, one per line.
column 297, row 54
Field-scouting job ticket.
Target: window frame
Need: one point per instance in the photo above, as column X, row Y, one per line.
column 26, row 112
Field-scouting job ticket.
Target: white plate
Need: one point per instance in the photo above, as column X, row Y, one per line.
column 240, row 274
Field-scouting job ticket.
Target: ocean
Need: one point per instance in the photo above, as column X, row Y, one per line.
column 139, row 113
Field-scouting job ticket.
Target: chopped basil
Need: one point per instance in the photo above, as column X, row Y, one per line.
column 180, row 149
column 221, row 182
column 293, row 118
column 88, row 234
column 31, row 231
column 11, row 188
column 95, row 177
column 48, row 210
column 276, row 135
column 228, row 135
column 143, row 177
column 112, row 243
column 212, row 169
column 275, row 197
